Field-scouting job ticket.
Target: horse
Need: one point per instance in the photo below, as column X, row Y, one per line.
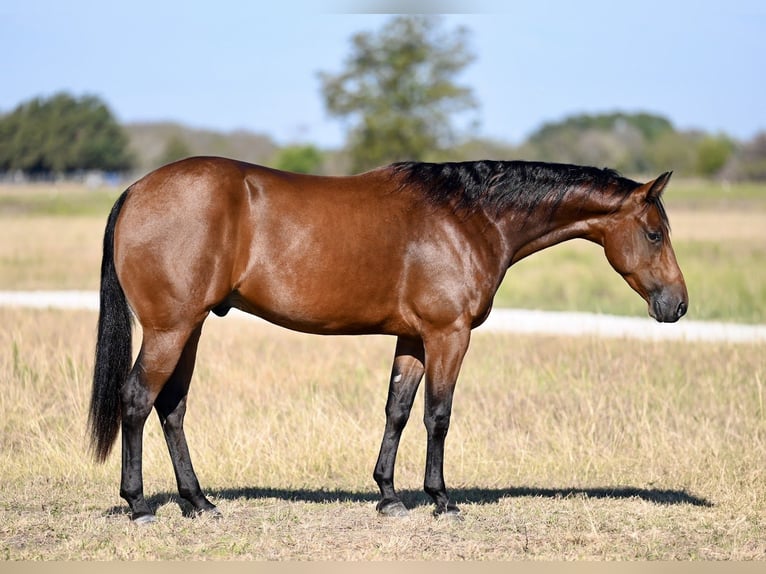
column 413, row 250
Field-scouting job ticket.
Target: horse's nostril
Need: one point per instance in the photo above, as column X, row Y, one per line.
column 681, row 311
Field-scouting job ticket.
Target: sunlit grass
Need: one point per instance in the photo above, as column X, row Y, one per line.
column 701, row 194
column 56, row 199
column 560, row 448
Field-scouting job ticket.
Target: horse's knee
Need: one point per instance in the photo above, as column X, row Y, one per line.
column 398, row 416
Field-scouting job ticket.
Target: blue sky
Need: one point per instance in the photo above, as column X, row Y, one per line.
column 234, row 64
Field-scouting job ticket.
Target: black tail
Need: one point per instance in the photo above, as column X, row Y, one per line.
column 114, row 349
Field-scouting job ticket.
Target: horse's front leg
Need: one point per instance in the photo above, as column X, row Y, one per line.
column 444, row 356
column 406, row 374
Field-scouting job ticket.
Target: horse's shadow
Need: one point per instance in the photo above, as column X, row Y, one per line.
column 414, row 498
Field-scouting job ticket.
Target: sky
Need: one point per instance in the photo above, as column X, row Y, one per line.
column 253, row 65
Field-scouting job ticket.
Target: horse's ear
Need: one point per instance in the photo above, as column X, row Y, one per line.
column 651, row 191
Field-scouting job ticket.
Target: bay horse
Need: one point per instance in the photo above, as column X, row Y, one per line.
column 413, row 250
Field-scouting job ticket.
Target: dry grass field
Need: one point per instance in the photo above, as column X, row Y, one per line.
column 560, row 448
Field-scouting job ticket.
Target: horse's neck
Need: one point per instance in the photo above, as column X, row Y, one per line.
column 577, row 218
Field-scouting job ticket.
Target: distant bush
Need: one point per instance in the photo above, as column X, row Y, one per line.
column 299, row 159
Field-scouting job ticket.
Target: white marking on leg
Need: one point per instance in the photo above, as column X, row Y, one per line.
column 398, row 378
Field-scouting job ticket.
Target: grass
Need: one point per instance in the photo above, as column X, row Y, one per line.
column 57, row 200
column 50, row 252
column 706, row 195
column 560, row 449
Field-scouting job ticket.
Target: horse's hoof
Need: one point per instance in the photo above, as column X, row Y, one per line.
column 451, row 512
column 210, row 513
column 394, row 509
column 144, row 519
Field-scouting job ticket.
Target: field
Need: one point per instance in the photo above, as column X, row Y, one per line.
column 560, row 448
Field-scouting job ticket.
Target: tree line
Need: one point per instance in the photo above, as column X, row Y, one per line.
column 62, row 135
column 399, row 96
column 638, row 143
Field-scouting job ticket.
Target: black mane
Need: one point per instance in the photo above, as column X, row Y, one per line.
column 501, row 185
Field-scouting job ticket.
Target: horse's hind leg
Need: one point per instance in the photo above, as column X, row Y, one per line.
column 171, row 408
column 406, row 374
column 159, row 355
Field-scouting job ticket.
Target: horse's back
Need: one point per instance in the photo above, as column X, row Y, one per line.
column 341, row 255
column 323, row 253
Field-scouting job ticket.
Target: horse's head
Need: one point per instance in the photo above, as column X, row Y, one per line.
column 636, row 241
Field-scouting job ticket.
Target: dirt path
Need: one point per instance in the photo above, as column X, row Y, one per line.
column 501, row 320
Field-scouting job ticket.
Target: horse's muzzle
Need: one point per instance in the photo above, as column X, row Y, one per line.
column 666, row 308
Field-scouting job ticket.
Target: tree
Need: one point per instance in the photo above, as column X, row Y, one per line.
column 650, row 126
column 713, row 152
column 635, row 143
column 673, row 151
column 398, row 90
column 299, row 159
column 62, row 134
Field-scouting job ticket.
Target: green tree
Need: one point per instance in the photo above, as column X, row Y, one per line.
column 673, row 151
column 635, row 143
column 299, row 159
column 713, row 152
column 650, row 126
column 398, row 90
column 62, row 134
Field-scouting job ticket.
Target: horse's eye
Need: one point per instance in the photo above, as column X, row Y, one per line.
column 654, row 236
